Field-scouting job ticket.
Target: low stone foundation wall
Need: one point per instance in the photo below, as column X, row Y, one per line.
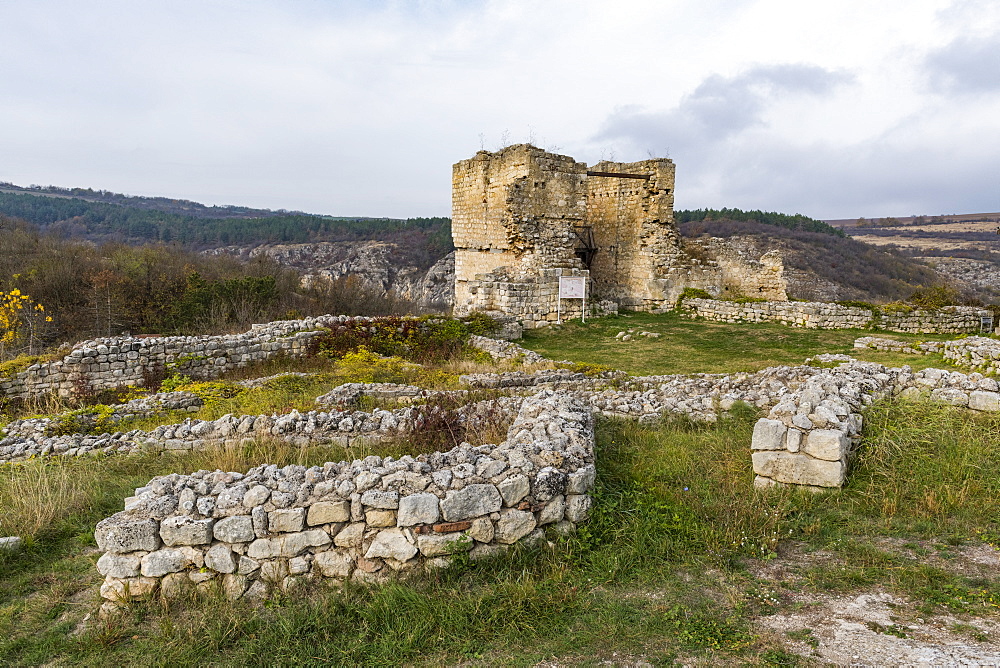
column 822, row 315
column 809, row 437
column 369, row 520
column 112, row 363
column 344, row 428
column 975, row 352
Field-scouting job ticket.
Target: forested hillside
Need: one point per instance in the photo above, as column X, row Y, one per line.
column 135, row 221
column 86, row 289
column 817, row 249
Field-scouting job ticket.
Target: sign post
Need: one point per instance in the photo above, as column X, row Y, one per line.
column 572, row 287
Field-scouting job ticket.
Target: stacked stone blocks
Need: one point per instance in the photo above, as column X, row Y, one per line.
column 367, row 520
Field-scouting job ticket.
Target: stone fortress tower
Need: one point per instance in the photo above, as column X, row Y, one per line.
column 523, row 217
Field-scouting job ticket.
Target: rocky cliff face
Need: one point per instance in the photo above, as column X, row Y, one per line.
column 379, row 265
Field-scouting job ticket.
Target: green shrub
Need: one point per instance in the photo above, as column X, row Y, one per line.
column 897, row 308
column 853, row 303
column 691, row 293
column 935, row 297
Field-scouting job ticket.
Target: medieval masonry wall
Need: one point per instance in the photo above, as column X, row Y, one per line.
column 522, row 217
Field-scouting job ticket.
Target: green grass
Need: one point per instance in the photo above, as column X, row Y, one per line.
column 660, row 571
column 699, row 346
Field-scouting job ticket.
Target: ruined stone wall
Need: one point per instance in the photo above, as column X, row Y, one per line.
column 640, row 255
column 822, row 315
column 522, row 216
column 515, row 209
column 743, row 270
column 246, row 534
column 116, row 362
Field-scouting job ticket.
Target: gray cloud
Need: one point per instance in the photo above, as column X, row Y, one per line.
column 966, row 65
column 719, row 108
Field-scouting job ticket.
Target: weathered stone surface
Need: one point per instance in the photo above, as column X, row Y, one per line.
column 768, row 435
column 514, row 489
column 128, row 588
column 376, row 498
column 391, row 544
column 984, row 401
column 581, row 481
column 350, row 536
column 829, row 444
column 296, row 543
column 233, row 586
column 553, row 511
column 118, row 565
column 183, row 530
column 168, row 560
column 235, row 529
column 286, row 520
column 514, row 525
column 381, row 518
column 418, row 509
column 334, row 564
column 256, row 496
column 431, row 545
column 798, row 469
column 472, row 501
column 220, row 558
column 327, row 512
column 482, row 530
column 550, row 482
column 175, row 585
column 123, row 533
column 577, row 507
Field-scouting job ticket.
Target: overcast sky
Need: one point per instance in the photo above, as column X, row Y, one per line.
column 835, row 110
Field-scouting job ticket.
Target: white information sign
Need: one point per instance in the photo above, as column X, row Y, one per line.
column 572, row 287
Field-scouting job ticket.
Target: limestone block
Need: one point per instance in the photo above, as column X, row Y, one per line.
column 286, row 520
column 829, row 444
column 294, row 544
column 119, row 565
column 549, row 483
column 184, row 530
column 553, row 511
column 220, row 558
column 235, row 529
column 432, row 545
column 233, row 586
column 334, row 564
column 380, row 518
column 391, row 544
column 168, row 560
column 264, row 548
column 125, row 533
column 376, row 498
column 514, row 525
column 768, row 435
column 482, row 530
column 418, row 509
column 256, row 496
column 351, row 535
column 580, row 482
column 984, row 401
column 128, row 588
column 577, row 507
column 798, row 469
column 471, row 501
column 328, row 512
